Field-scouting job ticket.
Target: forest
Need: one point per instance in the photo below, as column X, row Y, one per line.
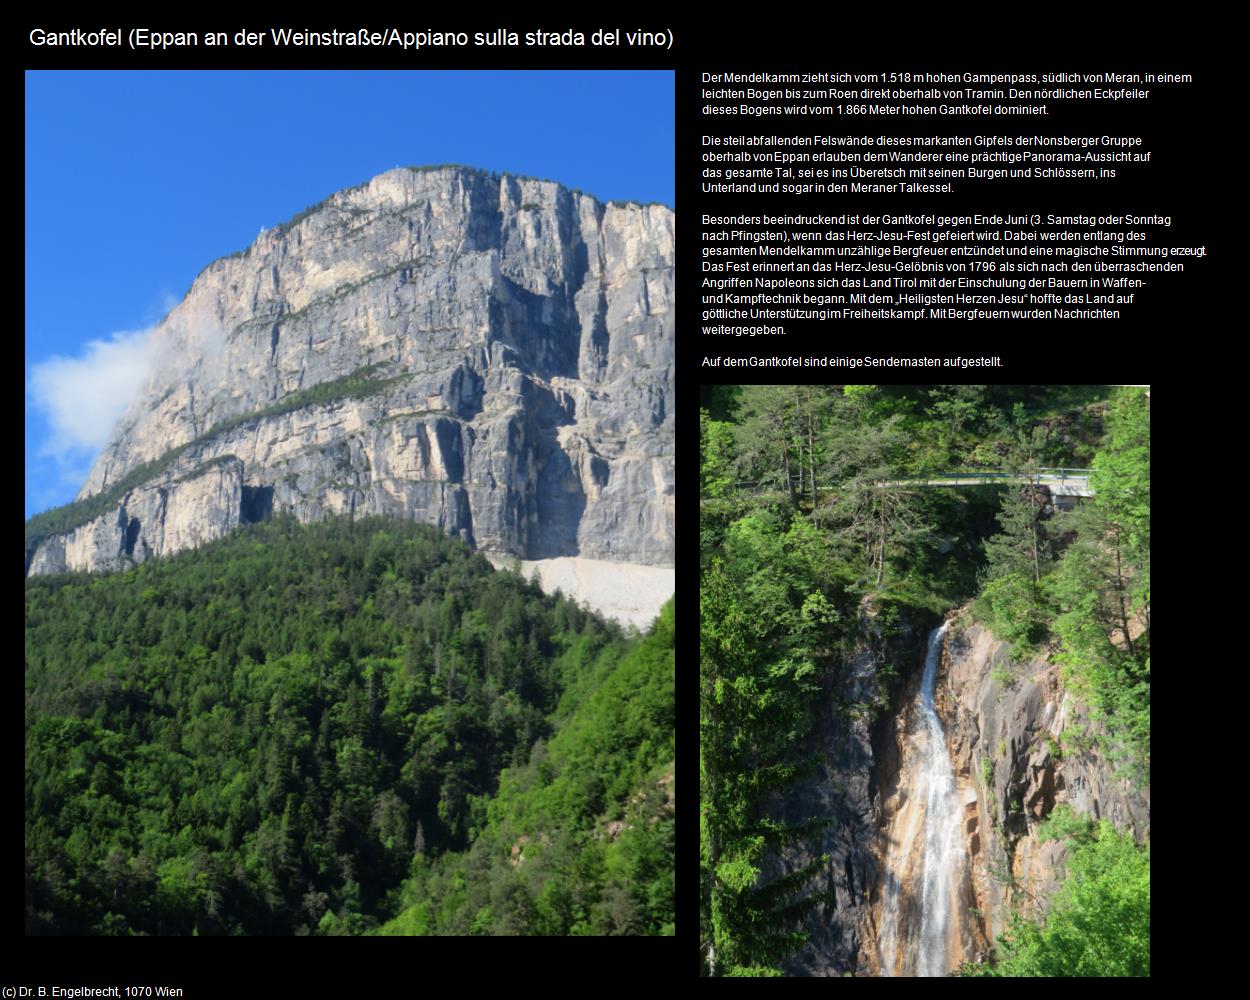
column 811, row 525
column 342, row 728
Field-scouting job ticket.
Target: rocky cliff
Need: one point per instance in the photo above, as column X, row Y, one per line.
column 1019, row 746
column 1013, row 734
column 491, row 354
column 845, row 787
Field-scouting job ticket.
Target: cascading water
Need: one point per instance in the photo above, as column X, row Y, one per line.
column 943, row 848
column 929, row 854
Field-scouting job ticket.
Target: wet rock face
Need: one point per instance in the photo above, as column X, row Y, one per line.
column 906, row 824
column 515, row 341
column 845, row 786
column 841, row 790
column 1009, row 714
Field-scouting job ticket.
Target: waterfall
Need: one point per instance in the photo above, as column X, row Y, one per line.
column 933, row 843
column 942, row 845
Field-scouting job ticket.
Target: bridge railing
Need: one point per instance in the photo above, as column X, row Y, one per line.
column 999, row 476
column 990, row 476
column 1038, row 476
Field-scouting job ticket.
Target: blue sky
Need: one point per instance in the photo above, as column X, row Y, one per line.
column 135, row 181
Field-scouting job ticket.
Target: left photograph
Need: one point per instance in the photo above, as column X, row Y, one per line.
column 349, row 567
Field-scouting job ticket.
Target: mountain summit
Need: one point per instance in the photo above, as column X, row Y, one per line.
column 491, row 354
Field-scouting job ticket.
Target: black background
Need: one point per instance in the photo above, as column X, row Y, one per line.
column 1184, row 327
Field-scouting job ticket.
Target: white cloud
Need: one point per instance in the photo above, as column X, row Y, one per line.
column 81, row 398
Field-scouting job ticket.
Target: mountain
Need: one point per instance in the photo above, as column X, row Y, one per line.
column 490, row 354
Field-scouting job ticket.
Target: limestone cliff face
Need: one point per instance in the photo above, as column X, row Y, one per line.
column 1013, row 715
column 854, row 752
column 990, row 708
column 1003, row 722
column 512, row 343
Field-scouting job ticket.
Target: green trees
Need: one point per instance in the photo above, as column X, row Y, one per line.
column 836, row 452
column 1018, row 555
column 1122, row 469
column 763, row 437
column 776, row 437
column 808, row 523
column 269, row 734
column 956, row 409
column 1097, row 922
column 579, row 838
column 1102, row 590
column 1021, row 547
column 1011, row 593
column 869, row 508
column 1095, row 600
column 716, row 446
column 764, row 628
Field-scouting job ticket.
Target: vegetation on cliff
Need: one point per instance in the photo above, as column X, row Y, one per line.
column 303, row 729
column 359, row 384
column 1098, row 921
column 767, row 608
column 1082, row 583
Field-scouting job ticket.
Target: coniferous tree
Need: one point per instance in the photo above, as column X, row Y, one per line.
column 1021, row 546
column 871, row 506
column 1020, row 552
column 244, row 738
column 762, row 626
column 1102, row 586
column 957, row 408
column 766, row 437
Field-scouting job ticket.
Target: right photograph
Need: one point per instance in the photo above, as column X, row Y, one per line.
column 924, row 705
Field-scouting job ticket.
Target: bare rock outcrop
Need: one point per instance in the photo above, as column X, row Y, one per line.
column 853, row 753
column 1004, row 723
column 1011, row 737
column 491, row 354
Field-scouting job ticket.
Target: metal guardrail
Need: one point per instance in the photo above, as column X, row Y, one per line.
column 1040, row 477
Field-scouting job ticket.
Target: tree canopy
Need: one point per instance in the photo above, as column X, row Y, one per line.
column 812, row 526
column 275, row 733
